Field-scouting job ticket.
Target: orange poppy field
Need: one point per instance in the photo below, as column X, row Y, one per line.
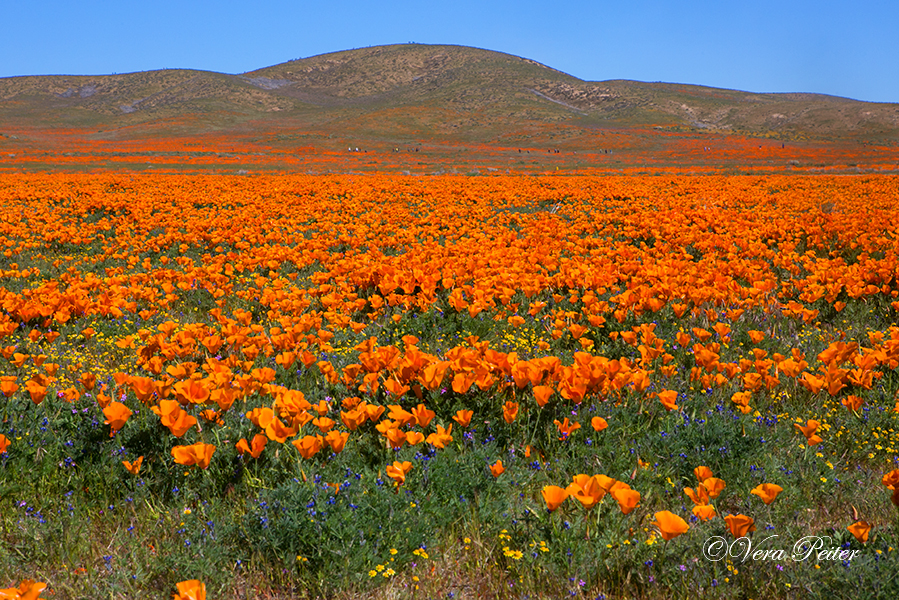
column 440, row 386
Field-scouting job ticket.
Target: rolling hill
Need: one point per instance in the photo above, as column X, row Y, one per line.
column 438, row 89
column 414, row 94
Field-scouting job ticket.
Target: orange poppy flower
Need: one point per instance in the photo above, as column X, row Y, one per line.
column 627, row 498
column 462, row 382
column 767, row 492
column 852, row 402
column 309, row 445
column 668, row 399
column 253, row 448
column 174, row 417
column 423, row 415
column 463, row 417
column 400, row 415
column 554, row 496
column 739, row 525
column 37, row 391
column 352, row 419
column 196, row 454
column 398, row 471
column 605, row 482
column 337, row 440
column 324, row 424
column 395, row 387
column 714, row 486
column 374, row 411
column 442, row 437
column 699, row 496
column 191, row 391
column 704, row 512
column 586, row 489
column 510, row 411
column 190, row 590
column 566, row 428
column 670, row 525
column 396, row 437
column 702, row 473
column 497, row 468
column 414, row 438
column 598, row 423
column 891, row 479
column 542, row 394
column 860, row 529
column 134, row 468
column 27, row 590
column 8, row 385
column 116, row 415
column 4, row 443
column 809, row 431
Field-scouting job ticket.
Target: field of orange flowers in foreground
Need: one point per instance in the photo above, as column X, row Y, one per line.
column 453, row 387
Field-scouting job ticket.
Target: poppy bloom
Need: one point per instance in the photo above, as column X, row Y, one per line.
column 767, row 492
column 414, row 437
column 714, row 486
column 253, row 448
column 396, row 437
column 586, row 489
column 891, row 479
column 463, row 417
column 704, row 512
column 398, row 471
column 860, row 530
column 27, row 590
column 442, row 437
column 627, row 498
column 542, row 394
column 554, row 496
column 134, row 468
column 670, row 525
column 668, row 399
column 423, row 415
column 353, row 418
column 605, row 482
column 510, row 411
column 174, row 417
column 497, row 468
column 190, row 590
column 4, row 443
column 566, row 428
column 401, row 416
column 739, row 525
column 702, row 473
column 809, row 431
column 598, row 423
column 852, row 402
column 309, row 445
column 337, row 440
column 191, row 391
column 116, row 415
column 37, row 391
column 8, row 385
column 324, row 424
column 699, row 496
column 196, row 454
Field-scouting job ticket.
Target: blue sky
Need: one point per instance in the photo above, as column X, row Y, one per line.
column 841, row 48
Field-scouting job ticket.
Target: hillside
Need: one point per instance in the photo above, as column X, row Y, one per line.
column 422, row 91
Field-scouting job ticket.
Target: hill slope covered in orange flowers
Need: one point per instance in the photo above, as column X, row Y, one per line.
column 427, row 108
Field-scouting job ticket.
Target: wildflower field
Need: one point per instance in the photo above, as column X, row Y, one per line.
column 298, row 386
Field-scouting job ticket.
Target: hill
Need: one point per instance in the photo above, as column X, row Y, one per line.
column 414, row 93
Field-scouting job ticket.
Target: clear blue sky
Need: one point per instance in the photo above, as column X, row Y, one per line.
column 833, row 47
